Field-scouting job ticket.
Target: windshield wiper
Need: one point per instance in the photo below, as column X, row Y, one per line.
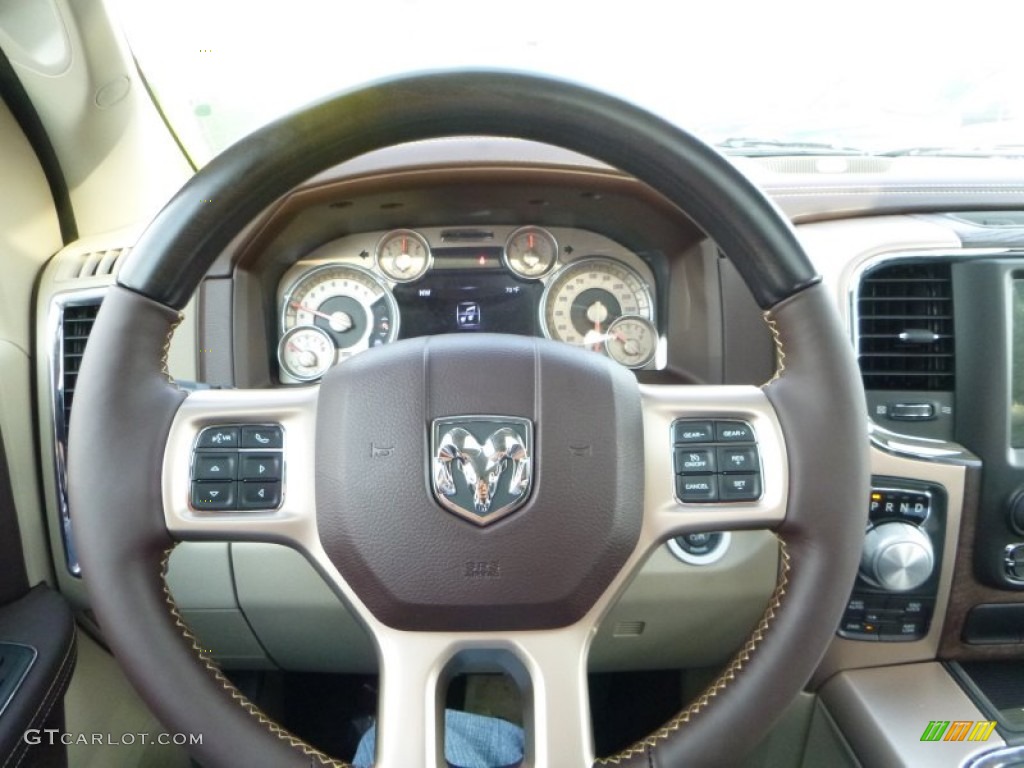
column 1015, row 151
column 750, row 147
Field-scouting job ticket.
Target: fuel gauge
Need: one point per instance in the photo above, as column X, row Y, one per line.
column 530, row 251
column 306, row 352
column 631, row 341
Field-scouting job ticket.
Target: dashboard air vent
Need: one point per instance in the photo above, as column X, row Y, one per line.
column 905, row 327
column 76, row 324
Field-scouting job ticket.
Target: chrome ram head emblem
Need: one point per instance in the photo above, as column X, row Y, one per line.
column 482, row 466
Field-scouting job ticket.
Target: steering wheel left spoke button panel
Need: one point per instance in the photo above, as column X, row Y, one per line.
column 250, row 477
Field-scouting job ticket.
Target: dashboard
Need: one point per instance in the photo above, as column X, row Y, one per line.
column 370, row 289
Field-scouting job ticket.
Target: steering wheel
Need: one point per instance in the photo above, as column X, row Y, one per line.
column 362, row 461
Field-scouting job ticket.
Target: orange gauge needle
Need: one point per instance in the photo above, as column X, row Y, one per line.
column 316, row 312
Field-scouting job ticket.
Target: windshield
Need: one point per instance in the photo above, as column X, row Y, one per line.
column 795, row 76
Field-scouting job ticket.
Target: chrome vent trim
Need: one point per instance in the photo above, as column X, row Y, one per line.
column 70, row 320
column 904, row 330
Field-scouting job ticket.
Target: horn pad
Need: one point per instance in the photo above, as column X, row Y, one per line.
column 538, row 447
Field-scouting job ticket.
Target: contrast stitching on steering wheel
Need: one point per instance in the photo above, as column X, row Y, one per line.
column 729, row 674
column 294, row 741
column 780, row 352
column 166, row 351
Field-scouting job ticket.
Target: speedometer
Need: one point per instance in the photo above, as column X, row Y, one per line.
column 349, row 304
column 586, row 297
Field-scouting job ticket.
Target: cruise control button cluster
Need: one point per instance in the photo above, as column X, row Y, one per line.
column 238, row 468
column 715, row 461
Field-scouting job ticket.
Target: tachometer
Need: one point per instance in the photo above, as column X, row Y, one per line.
column 347, row 303
column 586, row 297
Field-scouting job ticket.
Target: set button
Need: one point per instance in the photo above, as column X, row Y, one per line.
column 739, row 487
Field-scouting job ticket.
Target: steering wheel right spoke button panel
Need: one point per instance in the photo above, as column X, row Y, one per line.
column 715, row 461
column 238, row 467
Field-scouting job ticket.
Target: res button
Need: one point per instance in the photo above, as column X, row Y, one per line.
column 742, row 459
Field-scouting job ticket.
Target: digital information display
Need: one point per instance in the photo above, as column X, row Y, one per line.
column 470, row 300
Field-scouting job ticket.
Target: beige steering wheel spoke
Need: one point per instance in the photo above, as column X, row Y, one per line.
column 239, row 465
column 715, row 460
column 549, row 666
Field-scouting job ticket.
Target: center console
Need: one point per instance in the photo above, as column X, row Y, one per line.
column 893, row 599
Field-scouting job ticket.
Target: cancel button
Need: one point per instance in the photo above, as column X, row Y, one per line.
column 697, row 488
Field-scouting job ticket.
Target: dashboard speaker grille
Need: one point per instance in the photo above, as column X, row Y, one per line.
column 905, row 338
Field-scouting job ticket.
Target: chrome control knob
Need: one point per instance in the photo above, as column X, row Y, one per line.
column 897, row 557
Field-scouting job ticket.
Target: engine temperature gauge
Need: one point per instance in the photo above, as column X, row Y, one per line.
column 631, row 341
column 305, row 352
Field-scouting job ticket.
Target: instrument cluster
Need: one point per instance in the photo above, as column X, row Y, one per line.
column 363, row 291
